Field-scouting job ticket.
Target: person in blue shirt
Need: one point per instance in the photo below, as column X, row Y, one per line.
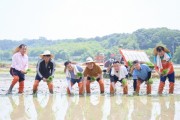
column 73, row 75
column 143, row 73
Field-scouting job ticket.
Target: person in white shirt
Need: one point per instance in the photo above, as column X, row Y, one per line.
column 119, row 73
column 19, row 67
column 74, row 75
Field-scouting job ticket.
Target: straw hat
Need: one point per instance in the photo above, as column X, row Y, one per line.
column 46, row 52
column 155, row 51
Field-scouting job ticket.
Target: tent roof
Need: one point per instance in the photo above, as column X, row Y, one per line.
column 131, row 55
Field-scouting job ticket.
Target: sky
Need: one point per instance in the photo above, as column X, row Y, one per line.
column 67, row 19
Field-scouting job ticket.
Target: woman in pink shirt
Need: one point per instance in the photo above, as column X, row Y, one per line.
column 19, row 67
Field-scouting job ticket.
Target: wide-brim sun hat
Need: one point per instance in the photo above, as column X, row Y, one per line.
column 89, row 60
column 46, row 52
column 155, row 51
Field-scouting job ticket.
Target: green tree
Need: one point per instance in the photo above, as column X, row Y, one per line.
column 176, row 57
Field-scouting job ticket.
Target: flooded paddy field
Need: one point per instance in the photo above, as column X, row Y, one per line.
column 95, row 106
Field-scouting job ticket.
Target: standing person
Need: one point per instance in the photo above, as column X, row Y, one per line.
column 118, row 73
column 45, row 69
column 92, row 73
column 164, row 68
column 73, row 75
column 18, row 67
column 143, row 73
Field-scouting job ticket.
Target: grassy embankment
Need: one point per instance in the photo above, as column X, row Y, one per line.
column 59, row 73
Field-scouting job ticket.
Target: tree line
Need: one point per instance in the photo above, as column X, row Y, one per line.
column 80, row 48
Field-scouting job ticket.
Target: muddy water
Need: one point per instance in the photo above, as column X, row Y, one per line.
column 60, row 106
column 94, row 107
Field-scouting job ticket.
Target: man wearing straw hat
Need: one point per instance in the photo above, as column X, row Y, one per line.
column 45, row 69
column 164, row 67
column 93, row 73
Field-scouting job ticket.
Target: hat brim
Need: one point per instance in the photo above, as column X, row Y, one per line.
column 42, row 55
column 155, row 51
column 88, row 62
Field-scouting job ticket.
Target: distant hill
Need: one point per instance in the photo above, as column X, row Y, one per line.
column 80, row 48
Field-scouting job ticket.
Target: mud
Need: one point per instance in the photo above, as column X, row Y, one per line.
column 96, row 106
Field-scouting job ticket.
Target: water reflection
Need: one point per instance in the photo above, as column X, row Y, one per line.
column 167, row 108
column 18, row 109
column 142, row 108
column 60, row 107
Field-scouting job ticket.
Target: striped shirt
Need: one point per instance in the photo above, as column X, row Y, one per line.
column 45, row 70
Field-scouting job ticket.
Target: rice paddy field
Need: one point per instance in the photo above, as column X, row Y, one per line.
column 96, row 106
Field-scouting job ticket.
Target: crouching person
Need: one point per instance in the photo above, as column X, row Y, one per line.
column 93, row 73
column 119, row 73
column 73, row 75
column 143, row 73
column 164, row 67
column 45, row 71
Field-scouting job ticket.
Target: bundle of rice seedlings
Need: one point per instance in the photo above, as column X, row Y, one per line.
column 150, row 64
column 130, row 63
column 79, row 74
column 93, row 79
column 164, row 72
column 124, row 81
column 50, row 79
column 150, row 81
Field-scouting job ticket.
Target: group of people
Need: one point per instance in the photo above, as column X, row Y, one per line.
column 92, row 72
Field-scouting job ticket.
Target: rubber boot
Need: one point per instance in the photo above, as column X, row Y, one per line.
column 138, row 86
column 88, row 86
column 35, row 86
column 161, row 87
column 134, row 84
column 125, row 89
column 101, row 84
column 171, row 87
column 21, row 87
column 80, row 85
column 148, row 88
column 50, row 86
column 14, row 81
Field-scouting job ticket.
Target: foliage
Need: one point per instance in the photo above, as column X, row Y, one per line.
column 80, row 48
